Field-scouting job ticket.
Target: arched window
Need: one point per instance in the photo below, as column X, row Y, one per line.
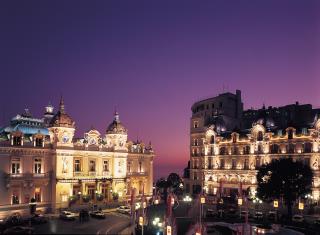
column 17, row 140
column 212, row 139
column 290, row 134
column 38, row 142
column 234, row 138
column 260, row 136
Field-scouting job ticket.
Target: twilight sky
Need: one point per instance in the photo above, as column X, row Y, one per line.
column 153, row 59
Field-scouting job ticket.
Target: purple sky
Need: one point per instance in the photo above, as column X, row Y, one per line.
column 154, row 59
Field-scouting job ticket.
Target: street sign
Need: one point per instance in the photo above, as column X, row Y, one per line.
column 203, row 200
column 301, row 206
column 169, row 232
column 141, row 221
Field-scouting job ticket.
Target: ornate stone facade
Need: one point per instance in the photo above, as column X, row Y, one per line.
column 41, row 159
column 220, row 160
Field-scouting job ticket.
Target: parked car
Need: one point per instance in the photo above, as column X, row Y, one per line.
column 14, row 220
column 298, row 218
column 210, row 213
column 317, row 222
column 98, row 214
column 124, row 209
column 67, row 215
column 38, row 219
column 19, row 230
column 272, row 215
column 258, row 215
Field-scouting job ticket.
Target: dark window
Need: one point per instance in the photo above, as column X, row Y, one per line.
column 290, row 134
column 220, row 104
column 257, row 163
column 307, row 147
column 246, row 149
column 222, row 150
column 234, row 138
column 77, row 165
column 221, row 163
column 234, row 164
column 260, row 136
column 39, row 142
column 274, row 148
column 210, row 163
column 290, row 148
column 212, row 139
column 246, row 164
column 17, row 140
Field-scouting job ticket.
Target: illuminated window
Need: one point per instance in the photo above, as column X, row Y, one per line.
column 37, row 166
column 37, row 194
column 64, row 198
column 195, row 124
column 15, row 197
column 15, row 166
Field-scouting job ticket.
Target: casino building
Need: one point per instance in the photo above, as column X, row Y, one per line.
column 228, row 145
column 41, row 159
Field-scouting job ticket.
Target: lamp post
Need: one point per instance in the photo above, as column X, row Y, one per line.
column 276, row 205
column 202, row 201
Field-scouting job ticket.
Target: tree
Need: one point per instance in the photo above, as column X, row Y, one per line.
column 175, row 183
column 284, row 178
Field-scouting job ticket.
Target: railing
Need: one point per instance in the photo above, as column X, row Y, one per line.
column 137, row 173
column 28, row 175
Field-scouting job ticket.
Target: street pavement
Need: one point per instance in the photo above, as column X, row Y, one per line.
column 112, row 224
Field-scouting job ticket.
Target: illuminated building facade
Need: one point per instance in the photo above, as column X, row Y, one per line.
column 221, row 158
column 41, row 159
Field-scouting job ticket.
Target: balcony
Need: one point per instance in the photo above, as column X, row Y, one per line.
column 28, row 176
column 137, row 173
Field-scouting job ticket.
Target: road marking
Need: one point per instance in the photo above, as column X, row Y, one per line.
column 115, row 226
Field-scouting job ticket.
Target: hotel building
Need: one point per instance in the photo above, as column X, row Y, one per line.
column 41, row 159
column 228, row 145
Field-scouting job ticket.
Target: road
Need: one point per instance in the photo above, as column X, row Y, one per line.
column 112, row 224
